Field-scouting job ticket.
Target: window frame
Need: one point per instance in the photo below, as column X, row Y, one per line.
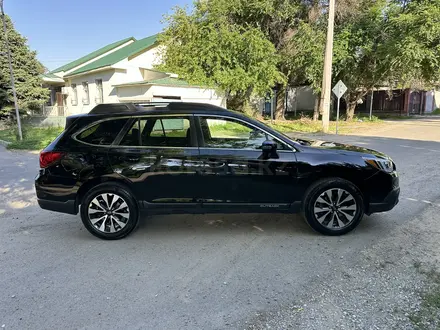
column 241, row 121
column 99, row 97
column 130, row 123
column 74, row 97
column 85, row 86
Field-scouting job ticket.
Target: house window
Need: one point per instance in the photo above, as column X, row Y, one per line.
column 74, row 100
column 85, row 98
column 99, row 92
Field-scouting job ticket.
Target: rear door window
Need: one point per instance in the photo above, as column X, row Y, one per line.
column 103, row 133
column 159, row 132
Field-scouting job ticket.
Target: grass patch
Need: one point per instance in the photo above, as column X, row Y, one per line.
column 307, row 125
column 436, row 112
column 33, row 138
column 428, row 316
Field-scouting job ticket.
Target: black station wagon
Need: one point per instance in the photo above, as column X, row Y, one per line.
column 121, row 159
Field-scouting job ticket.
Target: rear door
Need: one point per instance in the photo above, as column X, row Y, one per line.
column 157, row 155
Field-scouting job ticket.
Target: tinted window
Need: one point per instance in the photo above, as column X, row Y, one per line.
column 156, row 132
column 103, row 133
column 227, row 133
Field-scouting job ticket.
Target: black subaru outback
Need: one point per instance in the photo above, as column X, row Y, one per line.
column 121, row 159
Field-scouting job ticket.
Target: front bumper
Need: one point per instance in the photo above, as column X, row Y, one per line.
column 387, row 204
column 68, row 207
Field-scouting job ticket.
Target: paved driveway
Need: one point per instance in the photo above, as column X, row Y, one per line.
column 181, row 271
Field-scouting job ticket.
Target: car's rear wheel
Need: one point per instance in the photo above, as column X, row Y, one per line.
column 333, row 206
column 109, row 211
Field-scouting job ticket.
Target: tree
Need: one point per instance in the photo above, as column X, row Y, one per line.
column 205, row 48
column 27, row 70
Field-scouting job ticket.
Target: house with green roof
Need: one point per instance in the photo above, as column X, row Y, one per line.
column 120, row 72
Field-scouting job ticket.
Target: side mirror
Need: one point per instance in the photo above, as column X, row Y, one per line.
column 269, row 146
column 269, row 149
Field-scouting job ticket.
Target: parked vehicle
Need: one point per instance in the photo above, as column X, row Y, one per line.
column 120, row 159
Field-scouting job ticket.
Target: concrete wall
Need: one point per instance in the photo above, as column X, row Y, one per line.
column 300, row 99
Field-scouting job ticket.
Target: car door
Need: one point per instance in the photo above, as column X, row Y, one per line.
column 235, row 169
column 157, row 155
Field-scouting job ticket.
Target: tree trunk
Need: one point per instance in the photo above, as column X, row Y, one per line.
column 316, row 108
column 351, row 106
column 280, row 103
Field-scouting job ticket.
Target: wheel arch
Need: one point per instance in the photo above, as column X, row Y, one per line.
column 92, row 183
column 349, row 175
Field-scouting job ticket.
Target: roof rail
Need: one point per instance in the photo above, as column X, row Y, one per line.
column 133, row 107
column 113, row 108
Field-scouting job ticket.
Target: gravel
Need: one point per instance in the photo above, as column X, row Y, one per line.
column 383, row 290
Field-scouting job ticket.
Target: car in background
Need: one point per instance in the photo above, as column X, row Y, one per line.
column 121, row 159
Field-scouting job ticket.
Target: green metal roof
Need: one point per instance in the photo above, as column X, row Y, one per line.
column 119, row 55
column 50, row 75
column 92, row 55
column 169, row 81
column 166, row 81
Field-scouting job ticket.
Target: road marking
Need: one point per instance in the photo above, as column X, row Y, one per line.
column 419, row 148
column 423, row 201
column 256, row 227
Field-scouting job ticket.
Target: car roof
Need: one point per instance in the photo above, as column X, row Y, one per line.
column 156, row 108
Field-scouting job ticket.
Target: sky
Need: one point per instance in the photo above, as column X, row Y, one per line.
column 63, row 31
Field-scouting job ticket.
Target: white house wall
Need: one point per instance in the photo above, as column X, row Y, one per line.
column 109, row 92
column 134, row 65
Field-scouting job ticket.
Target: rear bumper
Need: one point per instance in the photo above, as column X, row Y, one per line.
column 388, row 203
column 63, row 207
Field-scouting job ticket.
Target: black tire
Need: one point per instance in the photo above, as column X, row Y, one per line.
column 328, row 225
column 113, row 189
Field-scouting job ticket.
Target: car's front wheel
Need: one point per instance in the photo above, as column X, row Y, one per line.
column 109, row 211
column 333, row 206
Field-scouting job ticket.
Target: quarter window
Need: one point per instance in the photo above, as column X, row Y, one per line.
column 230, row 134
column 103, row 133
column 156, row 132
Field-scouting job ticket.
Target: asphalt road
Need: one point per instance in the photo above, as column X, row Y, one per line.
column 182, row 271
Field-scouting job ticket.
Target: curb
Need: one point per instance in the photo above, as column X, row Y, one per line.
column 4, row 143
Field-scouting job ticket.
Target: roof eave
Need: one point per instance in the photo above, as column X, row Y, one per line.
column 104, row 68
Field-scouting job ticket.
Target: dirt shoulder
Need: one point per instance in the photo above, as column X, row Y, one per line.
column 424, row 129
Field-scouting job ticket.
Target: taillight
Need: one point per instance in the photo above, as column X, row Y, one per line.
column 48, row 157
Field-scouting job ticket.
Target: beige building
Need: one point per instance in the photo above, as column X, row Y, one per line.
column 120, row 72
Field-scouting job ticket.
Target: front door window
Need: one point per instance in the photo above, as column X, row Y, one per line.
column 231, row 134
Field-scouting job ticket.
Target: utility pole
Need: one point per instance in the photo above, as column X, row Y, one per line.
column 11, row 71
column 327, row 75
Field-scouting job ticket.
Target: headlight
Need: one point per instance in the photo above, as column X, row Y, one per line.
column 385, row 165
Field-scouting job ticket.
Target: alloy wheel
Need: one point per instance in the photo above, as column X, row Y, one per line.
column 335, row 208
column 108, row 213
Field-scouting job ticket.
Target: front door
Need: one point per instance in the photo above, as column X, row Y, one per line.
column 236, row 170
column 157, row 155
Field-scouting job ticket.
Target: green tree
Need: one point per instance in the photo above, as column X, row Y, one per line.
column 27, row 70
column 206, row 48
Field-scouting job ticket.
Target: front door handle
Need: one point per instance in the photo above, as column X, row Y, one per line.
column 216, row 164
column 130, row 158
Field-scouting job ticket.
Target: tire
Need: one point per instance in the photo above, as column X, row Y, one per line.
column 115, row 223
column 342, row 200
